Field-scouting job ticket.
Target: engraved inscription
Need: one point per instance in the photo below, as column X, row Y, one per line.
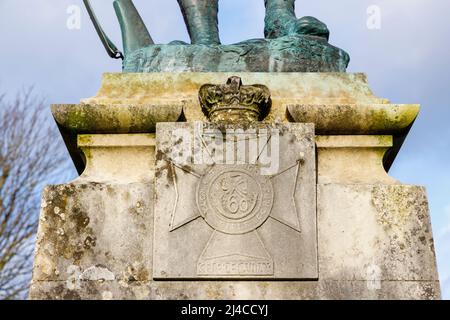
column 235, row 199
column 235, row 268
column 240, row 194
column 235, row 255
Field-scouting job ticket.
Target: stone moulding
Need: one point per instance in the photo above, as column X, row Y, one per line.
column 107, row 157
column 75, row 119
column 97, row 118
column 355, row 118
column 392, row 119
column 312, row 88
column 337, row 103
column 365, row 153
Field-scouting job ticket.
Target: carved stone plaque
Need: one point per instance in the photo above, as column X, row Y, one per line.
column 235, row 203
column 234, row 199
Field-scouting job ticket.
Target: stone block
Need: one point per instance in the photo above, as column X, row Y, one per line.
column 98, row 232
column 235, row 218
column 364, row 153
column 379, row 232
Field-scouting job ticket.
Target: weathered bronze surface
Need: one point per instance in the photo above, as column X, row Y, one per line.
column 281, row 21
column 110, row 47
column 290, row 44
column 201, row 20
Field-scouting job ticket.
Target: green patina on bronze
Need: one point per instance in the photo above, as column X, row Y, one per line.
column 290, row 44
column 281, row 21
column 201, row 18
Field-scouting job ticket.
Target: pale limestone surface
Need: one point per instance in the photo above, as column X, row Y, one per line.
column 237, row 219
column 120, row 158
column 353, row 159
column 356, row 118
column 377, row 230
column 335, row 102
column 312, row 88
column 90, row 230
column 82, row 118
column 239, row 290
column 374, row 241
column 332, row 89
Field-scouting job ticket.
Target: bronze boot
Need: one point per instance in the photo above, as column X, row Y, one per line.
column 201, row 18
column 281, row 21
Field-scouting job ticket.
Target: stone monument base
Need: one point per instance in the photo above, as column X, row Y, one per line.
column 358, row 233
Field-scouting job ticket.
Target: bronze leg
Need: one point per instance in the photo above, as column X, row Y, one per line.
column 201, row 18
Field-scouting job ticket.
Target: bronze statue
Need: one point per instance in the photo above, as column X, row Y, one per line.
column 202, row 22
column 299, row 38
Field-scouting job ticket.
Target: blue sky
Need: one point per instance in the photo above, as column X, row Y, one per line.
column 407, row 61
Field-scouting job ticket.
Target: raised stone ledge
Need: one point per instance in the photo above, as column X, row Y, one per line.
column 306, row 88
column 112, row 118
column 356, row 118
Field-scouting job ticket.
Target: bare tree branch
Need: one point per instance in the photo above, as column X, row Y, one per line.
column 31, row 155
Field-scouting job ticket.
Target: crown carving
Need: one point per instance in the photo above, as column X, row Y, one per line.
column 233, row 102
